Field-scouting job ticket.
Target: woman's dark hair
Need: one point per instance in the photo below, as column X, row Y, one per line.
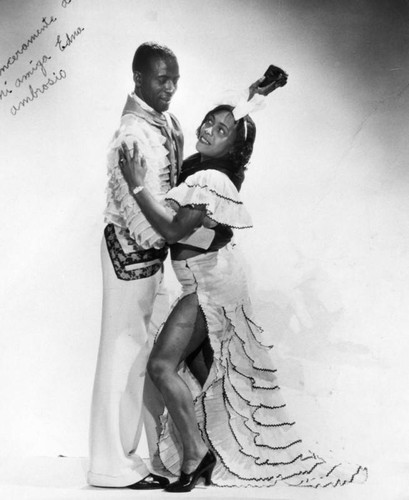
column 147, row 52
column 245, row 136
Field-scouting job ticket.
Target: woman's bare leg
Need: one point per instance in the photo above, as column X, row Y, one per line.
column 200, row 360
column 181, row 335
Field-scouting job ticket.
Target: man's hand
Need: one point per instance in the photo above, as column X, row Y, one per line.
column 133, row 168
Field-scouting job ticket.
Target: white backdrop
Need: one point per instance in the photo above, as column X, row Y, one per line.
column 327, row 187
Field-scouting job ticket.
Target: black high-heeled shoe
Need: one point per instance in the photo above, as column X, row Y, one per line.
column 187, row 482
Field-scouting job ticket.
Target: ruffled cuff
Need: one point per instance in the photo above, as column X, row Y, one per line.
column 213, row 190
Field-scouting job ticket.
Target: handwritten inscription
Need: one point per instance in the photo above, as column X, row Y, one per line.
column 14, row 57
column 68, row 40
column 34, row 94
column 40, row 64
column 35, row 80
column 5, row 92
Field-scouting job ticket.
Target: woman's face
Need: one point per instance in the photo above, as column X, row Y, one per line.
column 216, row 135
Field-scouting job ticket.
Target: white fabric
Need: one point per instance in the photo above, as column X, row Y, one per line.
column 122, row 209
column 217, row 193
column 240, row 411
column 127, row 335
column 238, row 99
column 202, row 237
column 245, row 107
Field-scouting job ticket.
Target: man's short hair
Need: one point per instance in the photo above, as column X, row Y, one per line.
column 147, row 52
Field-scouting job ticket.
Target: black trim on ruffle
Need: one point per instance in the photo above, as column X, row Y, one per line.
column 209, row 214
column 258, row 368
column 271, row 480
column 206, row 186
column 252, row 379
column 258, row 328
column 338, row 482
column 209, row 440
column 269, row 425
column 256, row 435
column 332, row 470
column 257, row 407
column 279, row 447
column 303, row 472
column 243, row 344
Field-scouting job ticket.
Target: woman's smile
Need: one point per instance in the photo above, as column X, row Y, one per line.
column 217, row 134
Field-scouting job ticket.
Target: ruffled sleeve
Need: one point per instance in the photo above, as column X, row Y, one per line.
column 215, row 191
column 121, row 209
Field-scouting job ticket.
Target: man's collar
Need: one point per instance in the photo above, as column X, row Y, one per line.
column 142, row 103
column 137, row 106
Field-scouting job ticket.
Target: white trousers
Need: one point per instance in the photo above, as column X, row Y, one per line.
column 123, row 398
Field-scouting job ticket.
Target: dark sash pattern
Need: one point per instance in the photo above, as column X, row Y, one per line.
column 120, row 259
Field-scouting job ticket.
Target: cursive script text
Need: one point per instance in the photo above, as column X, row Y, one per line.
column 14, row 57
column 4, row 92
column 40, row 64
column 34, row 94
column 68, row 40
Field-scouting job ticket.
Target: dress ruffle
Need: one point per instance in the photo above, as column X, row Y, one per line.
column 122, row 210
column 240, row 410
column 215, row 191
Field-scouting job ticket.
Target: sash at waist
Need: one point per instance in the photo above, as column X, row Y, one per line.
column 136, row 263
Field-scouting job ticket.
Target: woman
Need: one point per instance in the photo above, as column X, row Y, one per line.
column 238, row 415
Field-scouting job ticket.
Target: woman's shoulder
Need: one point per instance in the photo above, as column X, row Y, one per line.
column 215, row 191
column 211, row 179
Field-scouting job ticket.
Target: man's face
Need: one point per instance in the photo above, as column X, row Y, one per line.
column 157, row 85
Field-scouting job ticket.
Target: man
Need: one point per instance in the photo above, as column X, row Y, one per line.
column 132, row 261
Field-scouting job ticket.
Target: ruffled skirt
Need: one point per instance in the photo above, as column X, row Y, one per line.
column 240, row 410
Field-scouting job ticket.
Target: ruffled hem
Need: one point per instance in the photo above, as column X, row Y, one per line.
column 240, row 410
column 122, row 210
column 213, row 190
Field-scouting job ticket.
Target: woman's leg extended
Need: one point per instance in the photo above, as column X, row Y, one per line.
column 200, row 360
column 181, row 335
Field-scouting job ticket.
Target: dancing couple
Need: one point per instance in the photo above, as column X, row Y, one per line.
column 204, row 384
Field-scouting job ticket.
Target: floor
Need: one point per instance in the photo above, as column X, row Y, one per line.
column 47, row 478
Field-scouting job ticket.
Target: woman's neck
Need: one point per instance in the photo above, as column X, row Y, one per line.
column 206, row 158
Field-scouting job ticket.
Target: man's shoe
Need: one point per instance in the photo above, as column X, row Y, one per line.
column 150, row 482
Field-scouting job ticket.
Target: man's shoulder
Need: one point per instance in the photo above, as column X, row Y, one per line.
column 132, row 120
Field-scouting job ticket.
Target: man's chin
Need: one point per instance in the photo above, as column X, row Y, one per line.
column 162, row 106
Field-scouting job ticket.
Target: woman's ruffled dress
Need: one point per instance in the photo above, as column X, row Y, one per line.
column 240, row 410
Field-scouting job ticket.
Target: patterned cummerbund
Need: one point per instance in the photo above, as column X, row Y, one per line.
column 134, row 264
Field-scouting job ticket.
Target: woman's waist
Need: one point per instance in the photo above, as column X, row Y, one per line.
column 220, row 236
column 179, row 251
column 217, row 274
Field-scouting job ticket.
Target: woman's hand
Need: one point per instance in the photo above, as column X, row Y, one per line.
column 133, row 168
column 279, row 81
